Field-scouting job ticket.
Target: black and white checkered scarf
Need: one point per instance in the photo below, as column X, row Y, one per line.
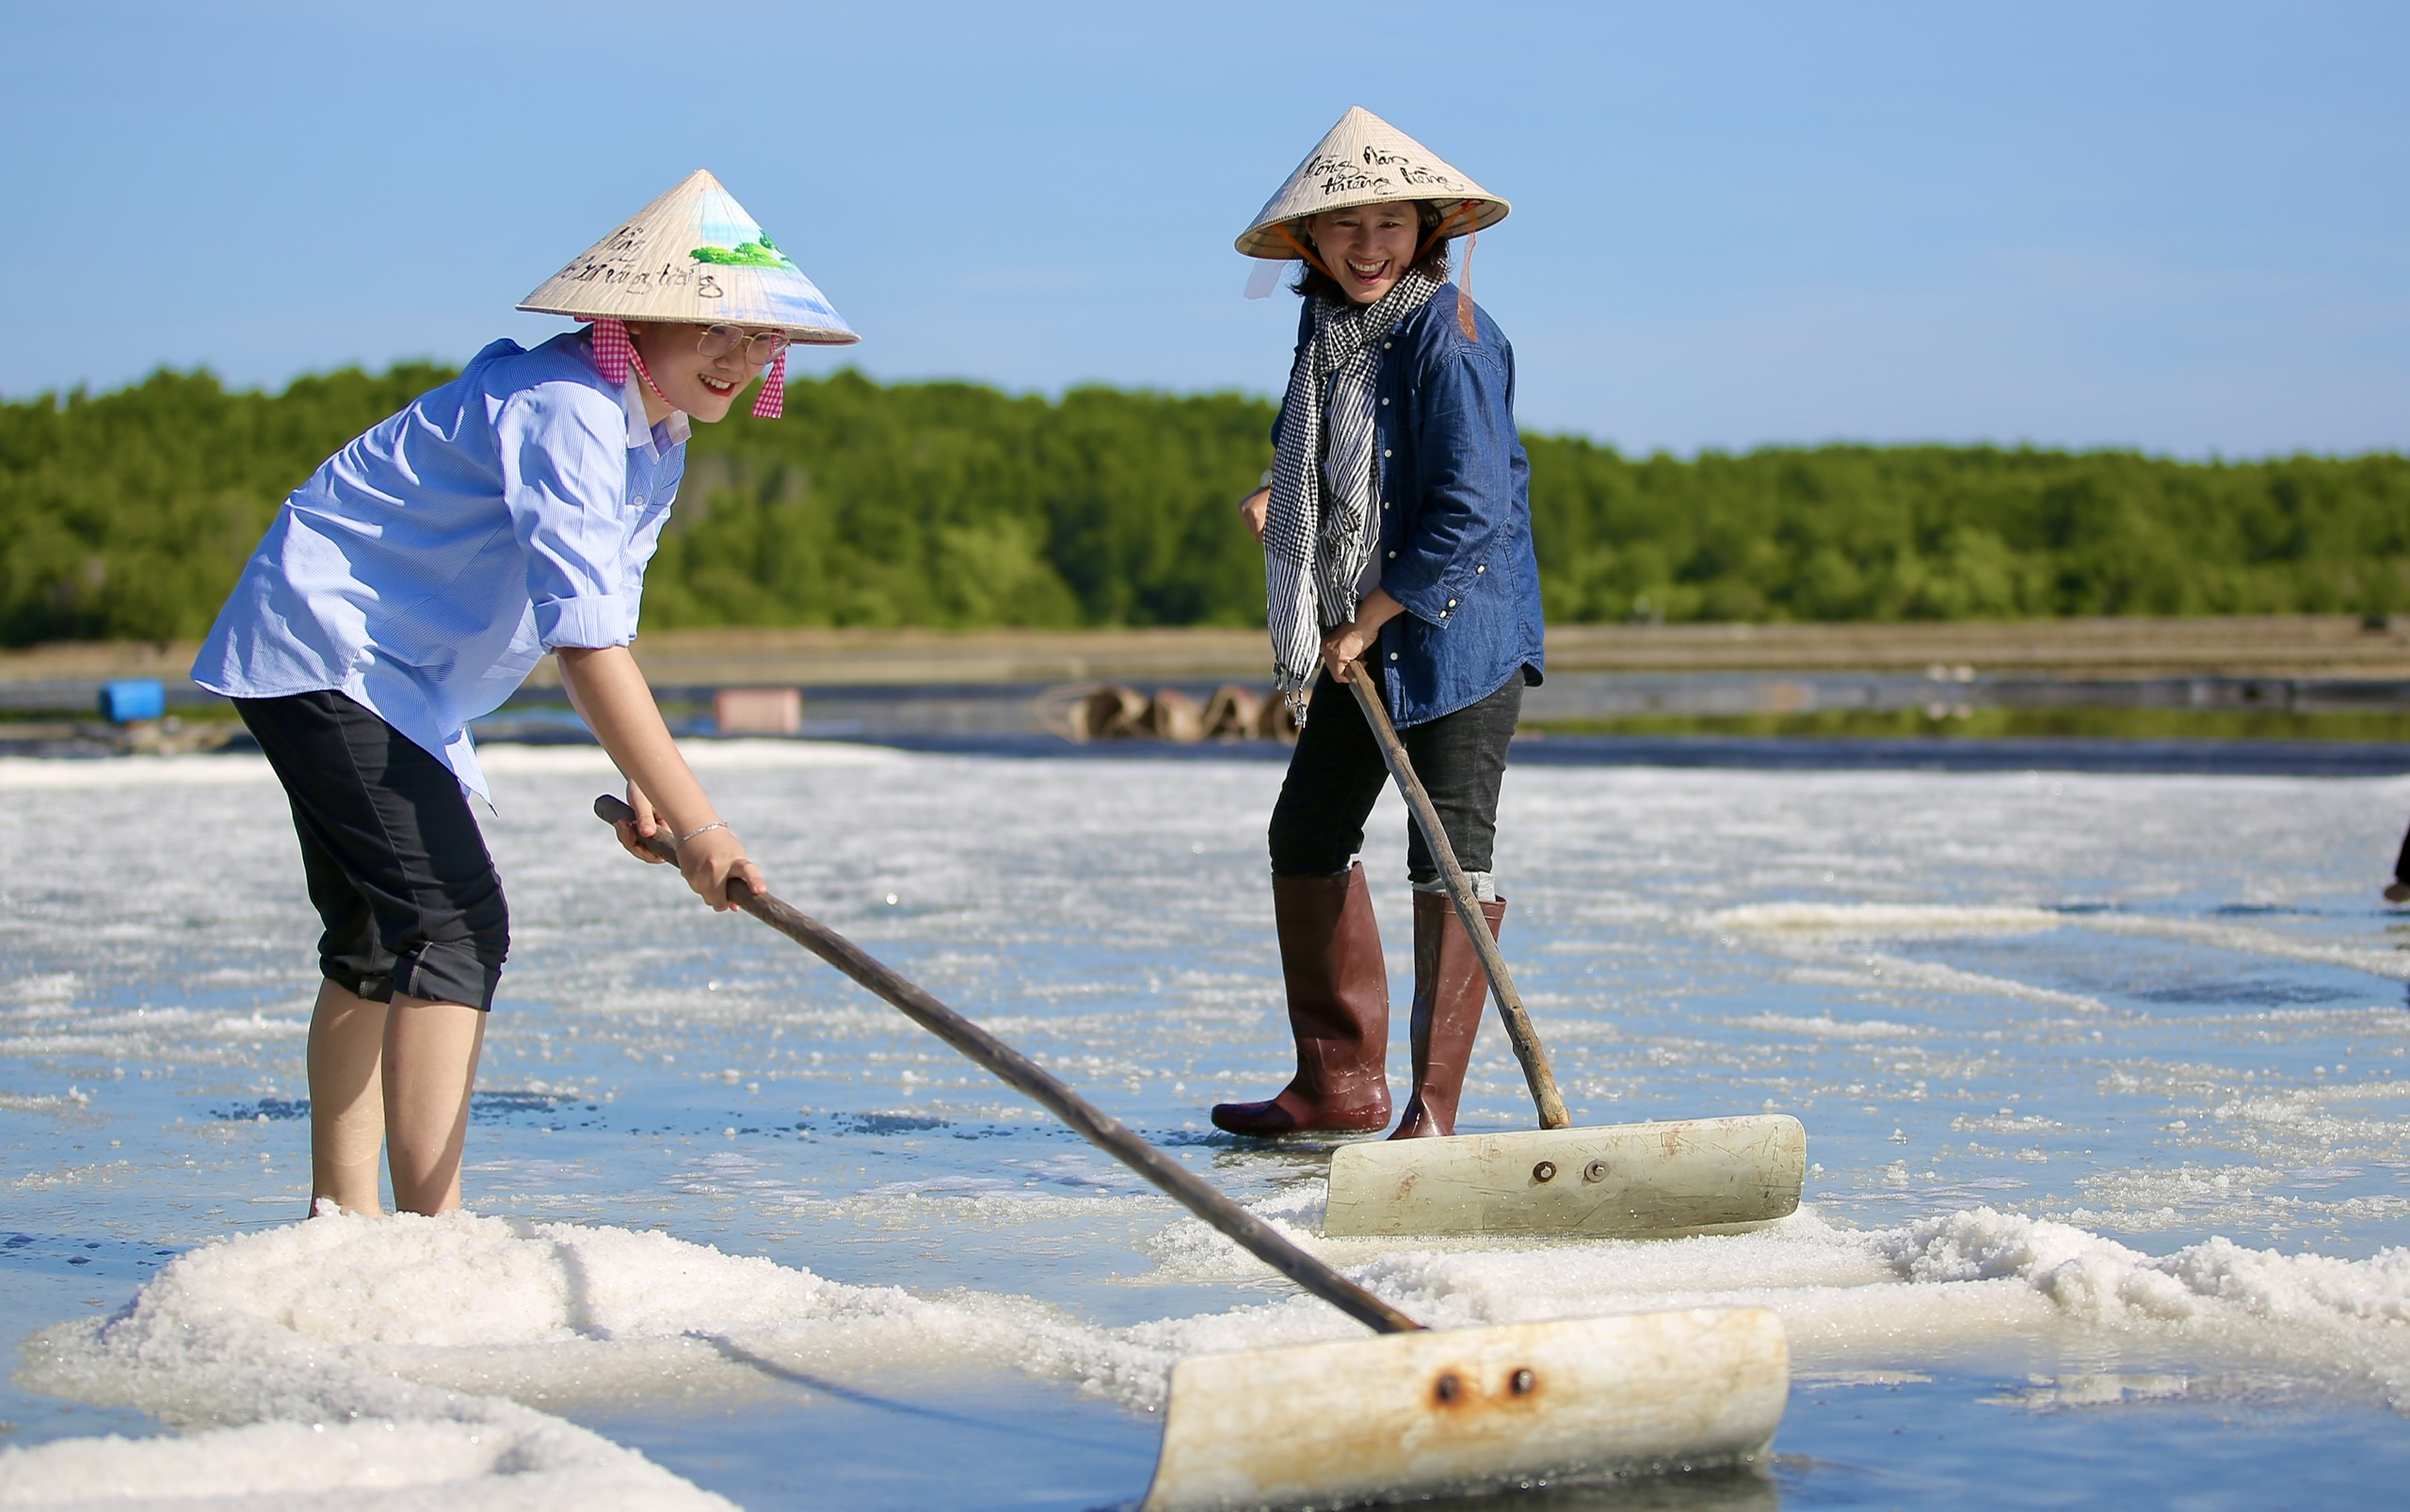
column 1323, row 522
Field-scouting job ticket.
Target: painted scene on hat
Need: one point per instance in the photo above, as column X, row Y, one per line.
column 693, row 254
column 731, row 239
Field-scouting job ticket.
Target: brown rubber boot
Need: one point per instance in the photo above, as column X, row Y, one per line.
column 1450, row 991
column 1338, row 1010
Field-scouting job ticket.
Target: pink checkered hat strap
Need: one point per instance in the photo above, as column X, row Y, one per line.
column 613, row 352
column 636, row 358
column 772, row 401
column 616, row 355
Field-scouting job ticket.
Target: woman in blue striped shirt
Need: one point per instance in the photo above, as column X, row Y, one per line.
column 411, row 586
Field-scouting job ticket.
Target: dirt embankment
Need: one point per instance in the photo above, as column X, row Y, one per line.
column 2263, row 646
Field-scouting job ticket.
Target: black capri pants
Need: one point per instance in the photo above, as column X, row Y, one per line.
column 398, row 868
column 1336, row 776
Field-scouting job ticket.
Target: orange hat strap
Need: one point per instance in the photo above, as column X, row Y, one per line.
column 1303, row 251
column 1464, row 210
column 1446, row 227
column 1464, row 291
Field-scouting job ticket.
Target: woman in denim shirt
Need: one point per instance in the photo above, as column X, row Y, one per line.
column 1396, row 525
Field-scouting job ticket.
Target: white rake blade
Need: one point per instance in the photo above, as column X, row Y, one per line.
column 1631, row 1181
column 1405, row 1416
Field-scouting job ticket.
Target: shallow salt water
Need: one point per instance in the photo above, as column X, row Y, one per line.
column 2111, row 1164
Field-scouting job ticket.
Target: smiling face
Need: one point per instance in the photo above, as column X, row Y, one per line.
column 704, row 387
column 1368, row 247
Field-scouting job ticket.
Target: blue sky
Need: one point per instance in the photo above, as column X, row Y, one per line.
column 2182, row 227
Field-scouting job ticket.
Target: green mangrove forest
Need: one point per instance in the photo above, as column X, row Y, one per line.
column 127, row 515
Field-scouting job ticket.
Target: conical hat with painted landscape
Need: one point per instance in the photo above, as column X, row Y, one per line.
column 693, row 256
column 1365, row 160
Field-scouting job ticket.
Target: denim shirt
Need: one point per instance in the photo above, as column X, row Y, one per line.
column 1456, row 539
column 426, row 568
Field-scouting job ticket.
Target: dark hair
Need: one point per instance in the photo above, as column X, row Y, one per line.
column 1313, row 283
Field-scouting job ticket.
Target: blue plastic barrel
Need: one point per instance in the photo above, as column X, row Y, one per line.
column 133, row 698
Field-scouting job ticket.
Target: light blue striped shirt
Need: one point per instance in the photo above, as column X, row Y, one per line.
column 426, row 568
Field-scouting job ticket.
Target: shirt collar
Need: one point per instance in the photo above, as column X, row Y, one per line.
column 641, row 432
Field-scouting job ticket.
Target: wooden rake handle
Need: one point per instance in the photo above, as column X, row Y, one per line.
column 1519, row 1031
column 1026, row 1077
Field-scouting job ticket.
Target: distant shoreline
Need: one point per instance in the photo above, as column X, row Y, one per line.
column 2327, row 646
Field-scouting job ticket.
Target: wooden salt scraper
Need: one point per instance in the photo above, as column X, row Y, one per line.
column 1631, row 1181
column 1413, row 1413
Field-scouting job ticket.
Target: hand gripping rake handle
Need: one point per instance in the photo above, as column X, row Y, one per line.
column 1024, row 1076
column 1519, row 1031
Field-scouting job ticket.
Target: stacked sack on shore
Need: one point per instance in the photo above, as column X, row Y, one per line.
column 1111, row 711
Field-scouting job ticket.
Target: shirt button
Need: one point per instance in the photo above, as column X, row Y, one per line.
column 1392, row 656
column 1481, row 568
column 1451, row 604
column 1385, row 451
column 1393, row 556
column 1385, row 401
column 1385, row 346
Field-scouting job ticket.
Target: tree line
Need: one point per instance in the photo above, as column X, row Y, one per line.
column 128, row 514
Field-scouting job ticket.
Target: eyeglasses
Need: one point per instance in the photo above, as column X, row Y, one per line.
column 761, row 348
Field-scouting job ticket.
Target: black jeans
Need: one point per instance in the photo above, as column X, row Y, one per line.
column 1337, row 774
column 396, row 867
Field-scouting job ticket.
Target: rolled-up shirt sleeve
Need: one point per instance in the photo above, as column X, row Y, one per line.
column 1465, row 445
column 565, row 483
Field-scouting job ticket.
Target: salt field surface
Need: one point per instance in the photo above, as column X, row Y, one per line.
column 2103, row 1076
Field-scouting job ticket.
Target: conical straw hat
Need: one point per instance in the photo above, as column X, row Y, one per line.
column 693, row 256
column 1365, row 160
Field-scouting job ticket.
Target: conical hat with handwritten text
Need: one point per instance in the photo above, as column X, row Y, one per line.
column 1365, row 160
column 693, row 256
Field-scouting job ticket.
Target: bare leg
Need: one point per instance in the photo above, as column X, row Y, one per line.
column 430, row 1064
column 346, row 1099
